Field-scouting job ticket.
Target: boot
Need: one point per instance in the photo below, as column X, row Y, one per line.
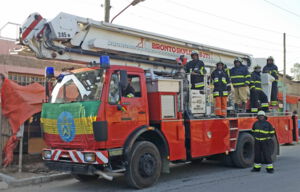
column 236, row 108
column 255, row 169
column 270, row 170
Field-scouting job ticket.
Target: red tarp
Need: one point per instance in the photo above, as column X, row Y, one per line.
column 19, row 103
column 289, row 98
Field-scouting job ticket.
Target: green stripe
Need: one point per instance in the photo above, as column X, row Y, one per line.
column 262, row 131
column 78, row 109
column 237, row 76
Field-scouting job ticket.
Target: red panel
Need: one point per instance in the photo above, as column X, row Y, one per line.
column 209, row 137
column 174, row 132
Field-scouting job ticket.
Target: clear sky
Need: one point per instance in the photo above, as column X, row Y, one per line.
column 250, row 26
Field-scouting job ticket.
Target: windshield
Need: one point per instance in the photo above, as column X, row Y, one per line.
column 83, row 86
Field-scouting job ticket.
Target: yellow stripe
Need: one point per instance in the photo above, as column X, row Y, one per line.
column 83, row 125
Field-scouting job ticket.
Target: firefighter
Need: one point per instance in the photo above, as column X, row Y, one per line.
column 222, row 87
column 240, row 79
column 196, row 68
column 272, row 69
column 263, row 133
column 256, row 92
column 129, row 91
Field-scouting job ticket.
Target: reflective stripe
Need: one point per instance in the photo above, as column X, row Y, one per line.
column 225, row 93
column 216, row 94
column 247, row 76
column 258, row 88
column 262, row 131
column 237, row 76
column 257, row 165
column 254, row 110
column 274, row 102
column 238, row 84
column 247, row 82
column 129, row 95
column 269, row 166
column 265, row 105
column 262, row 139
column 197, row 85
column 252, row 87
column 256, row 81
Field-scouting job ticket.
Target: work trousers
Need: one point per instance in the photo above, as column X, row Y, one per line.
column 221, row 106
column 241, row 94
column 255, row 96
column 274, row 100
column 263, row 152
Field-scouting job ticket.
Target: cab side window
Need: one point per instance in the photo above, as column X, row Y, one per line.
column 114, row 89
column 133, row 88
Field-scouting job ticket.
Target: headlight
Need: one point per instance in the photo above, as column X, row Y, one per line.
column 47, row 154
column 89, row 157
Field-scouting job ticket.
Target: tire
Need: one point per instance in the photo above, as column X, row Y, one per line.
column 243, row 156
column 144, row 165
column 275, row 148
column 85, row 178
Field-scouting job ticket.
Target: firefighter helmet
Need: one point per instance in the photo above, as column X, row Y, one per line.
column 238, row 59
column 257, row 67
column 261, row 113
column 270, row 58
column 220, row 63
column 194, row 52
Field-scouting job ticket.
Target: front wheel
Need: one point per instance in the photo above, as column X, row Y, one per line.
column 144, row 165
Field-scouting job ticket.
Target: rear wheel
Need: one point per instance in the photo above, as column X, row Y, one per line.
column 85, row 178
column 144, row 165
column 243, row 156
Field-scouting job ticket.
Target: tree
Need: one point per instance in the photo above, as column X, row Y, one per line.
column 296, row 71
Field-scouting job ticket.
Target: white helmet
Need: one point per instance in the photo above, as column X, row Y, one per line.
column 261, row 113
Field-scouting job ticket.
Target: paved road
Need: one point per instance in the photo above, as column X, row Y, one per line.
column 206, row 176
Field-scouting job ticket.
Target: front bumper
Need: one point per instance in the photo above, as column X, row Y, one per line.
column 74, row 168
column 75, row 156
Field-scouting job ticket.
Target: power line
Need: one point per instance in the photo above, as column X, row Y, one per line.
column 211, row 27
column 284, row 9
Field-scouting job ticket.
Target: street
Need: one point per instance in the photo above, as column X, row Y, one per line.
column 207, row 176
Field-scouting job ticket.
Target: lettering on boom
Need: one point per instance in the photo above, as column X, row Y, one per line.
column 178, row 50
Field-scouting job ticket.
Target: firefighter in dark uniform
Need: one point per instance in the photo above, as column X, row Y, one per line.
column 263, row 133
column 272, row 69
column 196, row 68
column 222, row 87
column 256, row 92
column 240, row 79
column 129, row 91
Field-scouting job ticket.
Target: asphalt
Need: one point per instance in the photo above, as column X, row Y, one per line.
column 208, row 176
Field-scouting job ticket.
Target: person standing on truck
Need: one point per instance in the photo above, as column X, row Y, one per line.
column 196, row 69
column 263, row 132
column 256, row 92
column 272, row 69
column 222, row 87
column 240, row 79
column 129, row 91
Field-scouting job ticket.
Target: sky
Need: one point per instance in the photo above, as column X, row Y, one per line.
column 251, row 26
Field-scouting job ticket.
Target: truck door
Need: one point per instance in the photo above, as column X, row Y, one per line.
column 124, row 112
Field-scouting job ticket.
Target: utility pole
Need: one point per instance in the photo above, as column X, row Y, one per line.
column 106, row 10
column 284, row 73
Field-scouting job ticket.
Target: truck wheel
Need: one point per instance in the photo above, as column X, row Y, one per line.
column 144, row 165
column 275, row 148
column 85, row 178
column 243, row 156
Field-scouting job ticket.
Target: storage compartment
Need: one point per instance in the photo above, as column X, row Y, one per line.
column 163, row 85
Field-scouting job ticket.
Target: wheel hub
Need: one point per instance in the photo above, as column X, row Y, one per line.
column 147, row 165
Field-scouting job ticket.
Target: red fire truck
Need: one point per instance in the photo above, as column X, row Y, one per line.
column 93, row 128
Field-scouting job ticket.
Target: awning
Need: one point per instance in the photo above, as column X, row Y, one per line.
column 291, row 99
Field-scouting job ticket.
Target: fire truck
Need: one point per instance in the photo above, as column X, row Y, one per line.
column 93, row 128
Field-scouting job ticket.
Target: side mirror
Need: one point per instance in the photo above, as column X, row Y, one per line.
column 123, row 79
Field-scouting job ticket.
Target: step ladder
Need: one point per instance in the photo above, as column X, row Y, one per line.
column 233, row 134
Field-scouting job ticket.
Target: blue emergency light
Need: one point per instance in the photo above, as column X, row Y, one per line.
column 49, row 72
column 104, row 61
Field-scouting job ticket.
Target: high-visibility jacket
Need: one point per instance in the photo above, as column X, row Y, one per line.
column 196, row 66
column 272, row 70
column 240, row 76
column 221, row 83
column 262, row 130
column 255, row 82
column 128, row 92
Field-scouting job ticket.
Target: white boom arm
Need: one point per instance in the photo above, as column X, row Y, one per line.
column 69, row 37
